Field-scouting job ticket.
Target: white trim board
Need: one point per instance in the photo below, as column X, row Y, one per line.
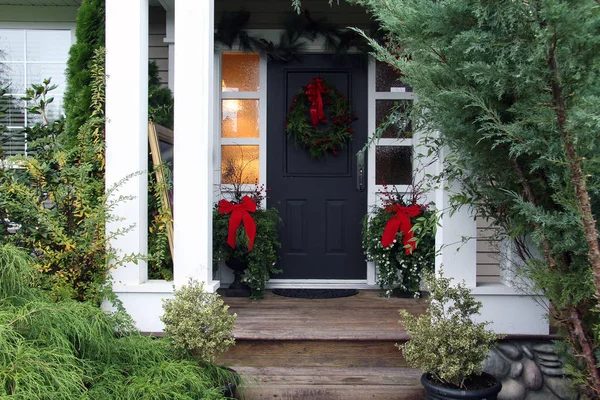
column 319, row 284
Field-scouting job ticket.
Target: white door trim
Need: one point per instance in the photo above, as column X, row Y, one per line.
column 315, row 47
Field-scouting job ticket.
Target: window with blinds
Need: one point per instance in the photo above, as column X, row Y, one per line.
column 28, row 56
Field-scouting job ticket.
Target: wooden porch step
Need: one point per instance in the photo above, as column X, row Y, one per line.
column 364, row 317
column 327, row 383
column 314, row 353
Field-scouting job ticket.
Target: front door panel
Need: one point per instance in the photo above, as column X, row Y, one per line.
column 318, row 200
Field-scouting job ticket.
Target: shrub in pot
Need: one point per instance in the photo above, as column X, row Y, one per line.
column 448, row 346
column 399, row 237
column 199, row 325
column 254, row 261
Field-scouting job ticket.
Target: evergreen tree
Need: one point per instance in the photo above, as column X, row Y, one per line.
column 90, row 37
column 513, row 88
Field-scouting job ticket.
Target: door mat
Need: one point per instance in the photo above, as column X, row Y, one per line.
column 315, row 293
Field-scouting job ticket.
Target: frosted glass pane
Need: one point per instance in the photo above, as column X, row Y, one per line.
column 240, row 119
column 240, row 72
column 239, row 164
column 14, row 76
column 387, row 79
column 48, row 45
column 393, row 165
column 36, row 73
column 12, row 45
column 383, row 109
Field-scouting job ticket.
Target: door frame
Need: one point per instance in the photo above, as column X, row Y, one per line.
column 315, row 47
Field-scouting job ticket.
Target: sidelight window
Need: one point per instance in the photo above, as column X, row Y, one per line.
column 242, row 128
column 393, row 153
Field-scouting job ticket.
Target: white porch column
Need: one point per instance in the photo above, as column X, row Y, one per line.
column 457, row 238
column 127, row 128
column 193, row 149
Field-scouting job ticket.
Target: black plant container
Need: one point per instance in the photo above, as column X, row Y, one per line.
column 238, row 288
column 435, row 392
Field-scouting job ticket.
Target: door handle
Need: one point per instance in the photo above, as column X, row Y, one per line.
column 360, row 172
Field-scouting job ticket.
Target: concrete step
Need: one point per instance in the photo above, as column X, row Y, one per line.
column 329, row 383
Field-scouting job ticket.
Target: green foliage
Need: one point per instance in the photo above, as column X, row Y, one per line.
column 3, row 109
column 513, row 89
column 89, row 34
column 58, row 198
column 160, row 262
column 160, row 99
column 395, row 268
column 445, row 342
column 198, row 322
column 69, row 350
column 263, row 257
column 316, row 141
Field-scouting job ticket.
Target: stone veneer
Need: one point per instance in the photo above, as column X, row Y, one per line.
column 529, row 370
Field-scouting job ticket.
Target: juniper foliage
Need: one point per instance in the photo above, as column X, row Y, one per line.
column 69, row 350
column 89, row 34
column 513, row 89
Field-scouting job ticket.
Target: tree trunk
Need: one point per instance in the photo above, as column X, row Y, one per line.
column 585, row 209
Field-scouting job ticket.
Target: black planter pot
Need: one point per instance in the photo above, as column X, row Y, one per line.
column 435, row 392
column 238, row 288
column 229, row 388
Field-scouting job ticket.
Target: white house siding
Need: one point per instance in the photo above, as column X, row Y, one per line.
column 488, row 255
column 158, row 50
column 28, row 14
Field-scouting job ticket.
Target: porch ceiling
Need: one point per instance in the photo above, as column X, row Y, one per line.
column 52, row 3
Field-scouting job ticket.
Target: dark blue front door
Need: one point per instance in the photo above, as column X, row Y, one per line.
column 319, row 200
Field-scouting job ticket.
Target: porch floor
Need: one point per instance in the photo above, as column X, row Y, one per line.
column 366, row 316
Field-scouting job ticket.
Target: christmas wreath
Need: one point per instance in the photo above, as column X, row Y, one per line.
column 312, row 100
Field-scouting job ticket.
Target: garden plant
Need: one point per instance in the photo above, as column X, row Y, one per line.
column 510, row 93
column 445, row 342
column 402, row 261
column 73, row 350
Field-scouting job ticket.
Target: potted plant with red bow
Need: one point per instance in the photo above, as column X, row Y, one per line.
column 246, row 238
column 399, row 237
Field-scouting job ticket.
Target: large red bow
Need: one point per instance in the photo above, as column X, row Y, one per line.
column 313, row 92
column 400, row 221
column 240, row 213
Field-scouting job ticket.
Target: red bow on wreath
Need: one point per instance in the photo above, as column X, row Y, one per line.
column 240, row 213
column 313, row 92
column 400, row 221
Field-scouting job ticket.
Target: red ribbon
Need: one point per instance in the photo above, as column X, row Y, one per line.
column 313, row 92
column 400, row 221
column 240, row 213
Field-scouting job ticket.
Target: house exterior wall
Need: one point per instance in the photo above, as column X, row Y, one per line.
column 193, row 58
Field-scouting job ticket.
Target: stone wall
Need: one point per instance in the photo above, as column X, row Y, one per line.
column 529, row 370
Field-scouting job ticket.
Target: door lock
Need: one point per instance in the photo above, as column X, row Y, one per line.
column 360, row 172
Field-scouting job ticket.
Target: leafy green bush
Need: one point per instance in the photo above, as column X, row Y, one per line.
column 69, row 350
column 396, row 268
column 445, row 342
column 160, row 98
column 198, row 323
column 58, row 197
column 89, row 33
column 263, row 257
